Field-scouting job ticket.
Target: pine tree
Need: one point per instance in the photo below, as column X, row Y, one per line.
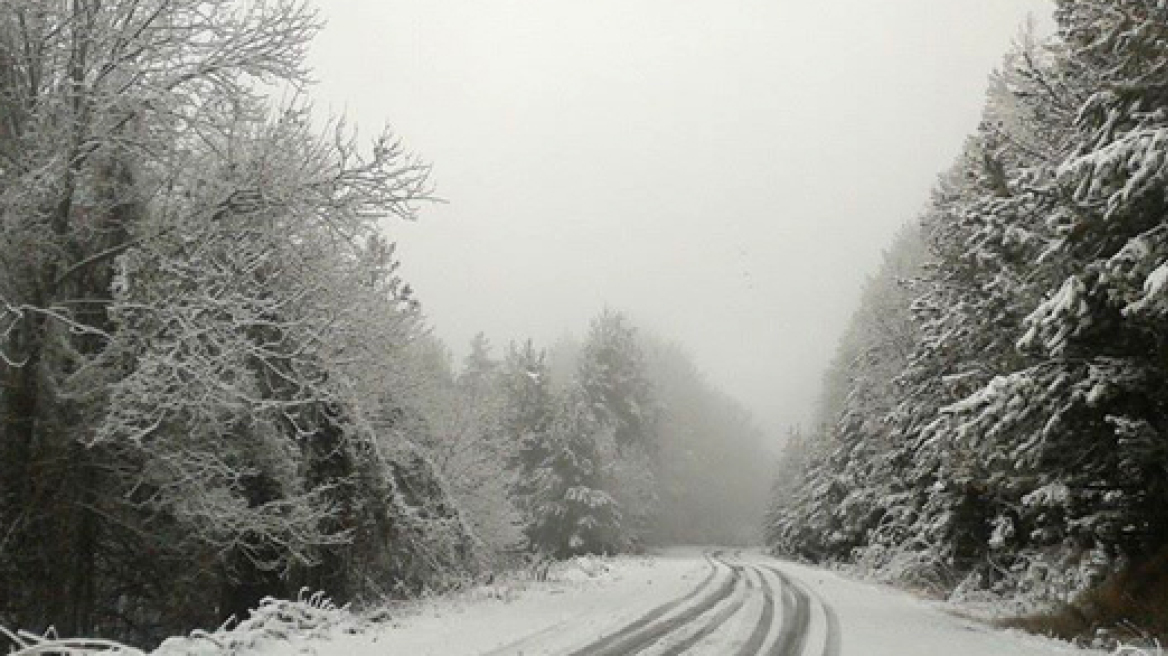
column 848, row 487
column 571, row 511
column 527, row 415
column 611, row 371
column 479, row 368
column 1025, row 433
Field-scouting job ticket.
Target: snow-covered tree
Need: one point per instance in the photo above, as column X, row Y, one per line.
column 571, row 512
column 480, row 368
column 467, row 440
column 194, row 306
column 828, row 509
column 528, row 409
column 99, row 102
column 611, row 371
column 1023, row 448
column 1084, row 424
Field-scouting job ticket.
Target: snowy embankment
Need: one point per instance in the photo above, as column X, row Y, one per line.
column 577, row 600
column 878, row 620
column 275, row 622
column 682, row 601
column 582, row 599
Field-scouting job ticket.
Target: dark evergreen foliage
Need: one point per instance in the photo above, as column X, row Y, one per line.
column 1020, row 444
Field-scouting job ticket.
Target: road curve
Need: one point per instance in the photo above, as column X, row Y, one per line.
column 756, row 639
column 796, row 618
column 658, row 623
column 781, row 627
column 720, row 603
column 533, row 640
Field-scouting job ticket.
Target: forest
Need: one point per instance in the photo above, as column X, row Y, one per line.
column 994, row 423
column 215, row 385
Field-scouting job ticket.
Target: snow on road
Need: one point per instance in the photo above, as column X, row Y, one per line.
column 582, row 600
column 876, row 620
column 721, row 603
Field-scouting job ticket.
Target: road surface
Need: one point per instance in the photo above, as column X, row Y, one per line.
column 720, row 602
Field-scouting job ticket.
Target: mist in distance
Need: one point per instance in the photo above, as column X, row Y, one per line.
column 726, row 174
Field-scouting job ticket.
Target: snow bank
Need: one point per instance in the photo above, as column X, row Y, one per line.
column 27, row 644
column 877, row 620
column 574, row 603
column 275, row 622
column 579, row 601
column 581, row 569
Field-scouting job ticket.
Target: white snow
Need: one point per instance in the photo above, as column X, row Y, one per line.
column 876, row 620
column 588, row 599
column 583, row 600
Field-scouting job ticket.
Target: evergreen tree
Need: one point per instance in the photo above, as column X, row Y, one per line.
column 1024, row 432
column 611, row 371
column 848, row 485
column 480, row 368
column 571, row 513
column 527, row 415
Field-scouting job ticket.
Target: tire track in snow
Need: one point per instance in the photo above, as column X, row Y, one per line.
column 796, row 618
column 753, row 643
column 715, row 622
column 708, row 607
column 758, row 636
column 650, row 628
column 832, row 646
column 832, row 642
column 534, row 639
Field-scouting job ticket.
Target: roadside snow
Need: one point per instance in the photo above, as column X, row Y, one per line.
column 583, row 599
column 888, row 622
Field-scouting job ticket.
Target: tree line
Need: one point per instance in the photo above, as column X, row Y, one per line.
column 604, row 445
column 995, row 421
column 214, row 384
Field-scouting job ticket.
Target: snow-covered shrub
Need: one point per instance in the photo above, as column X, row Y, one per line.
column 919, row 570
column 309, row 616
column 24, row 643
column 1057, row 575
column 580, row 569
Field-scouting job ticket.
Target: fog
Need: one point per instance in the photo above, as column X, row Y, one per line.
column 726, row 173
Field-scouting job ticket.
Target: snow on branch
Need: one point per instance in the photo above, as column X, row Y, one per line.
column 311, row 615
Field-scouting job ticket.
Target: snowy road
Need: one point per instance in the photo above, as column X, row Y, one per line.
column 722, row 603
column 743, row 608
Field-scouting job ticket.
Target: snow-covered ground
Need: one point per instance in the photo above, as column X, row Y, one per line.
column 692, row 601
column 582, row 599
column 877, row 620
column 678, row 601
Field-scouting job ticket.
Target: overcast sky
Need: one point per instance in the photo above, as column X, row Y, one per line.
column 727, row 172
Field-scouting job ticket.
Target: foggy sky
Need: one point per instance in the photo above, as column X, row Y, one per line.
column 725, row 171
